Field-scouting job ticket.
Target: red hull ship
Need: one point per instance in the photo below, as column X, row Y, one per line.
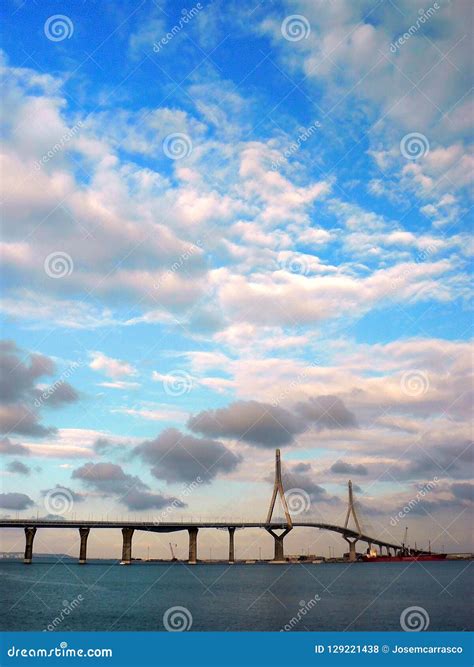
column 366, row 558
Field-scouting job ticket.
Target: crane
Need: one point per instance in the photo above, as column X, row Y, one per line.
column 173, row 557
column 405, row 540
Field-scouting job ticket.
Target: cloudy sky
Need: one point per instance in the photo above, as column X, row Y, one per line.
column 232, row 227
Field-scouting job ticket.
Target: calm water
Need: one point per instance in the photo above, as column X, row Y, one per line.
column 106, row 596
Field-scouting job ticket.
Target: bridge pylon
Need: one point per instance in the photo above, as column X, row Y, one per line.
column 351, row 510
column 278, row 491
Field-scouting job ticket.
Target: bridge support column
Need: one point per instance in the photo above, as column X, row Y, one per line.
column 279, row 556
column 84, row 534
column 231, row 545
column 127, row 534
column 193, row 535
column 29, row 536
column 352, row 549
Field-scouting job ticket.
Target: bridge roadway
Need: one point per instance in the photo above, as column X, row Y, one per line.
column 128, row 528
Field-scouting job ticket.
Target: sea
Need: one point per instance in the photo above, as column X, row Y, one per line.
column 61, row 595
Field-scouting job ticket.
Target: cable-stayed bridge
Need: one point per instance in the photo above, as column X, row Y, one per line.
column 278, row 528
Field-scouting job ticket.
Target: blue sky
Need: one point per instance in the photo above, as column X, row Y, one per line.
column 230, row 227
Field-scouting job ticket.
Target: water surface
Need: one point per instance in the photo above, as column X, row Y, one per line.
column 103, row 595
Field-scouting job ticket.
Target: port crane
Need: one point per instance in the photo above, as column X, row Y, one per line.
column 173, row 557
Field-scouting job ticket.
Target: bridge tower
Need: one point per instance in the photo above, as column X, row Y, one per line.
column 278, row 491
column 351, row 510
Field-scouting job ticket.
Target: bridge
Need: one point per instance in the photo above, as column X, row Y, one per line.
column 352, row 536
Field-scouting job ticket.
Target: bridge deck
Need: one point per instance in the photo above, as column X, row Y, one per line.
column 166, row 527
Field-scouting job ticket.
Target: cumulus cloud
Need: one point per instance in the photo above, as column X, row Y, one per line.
column 13, row 448
column 20, row 395
column 259, row 424
column 113, row 368
column 346, row 468
column 18, row 468
column 76, row 497
column 266, row 425
column 109, row 479
column 15, row 501
column 326, row 412
column 144, row 500
column 452, row 459
column 177, row 457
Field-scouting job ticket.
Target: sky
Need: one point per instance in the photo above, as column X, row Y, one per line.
column 231, row 227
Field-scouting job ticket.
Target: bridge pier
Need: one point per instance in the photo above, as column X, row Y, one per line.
column 193, row 534
column 29, row 536
column 231, row 544
column 352, row 549
column 127, row 534
column 279, row 556
column 84, row 534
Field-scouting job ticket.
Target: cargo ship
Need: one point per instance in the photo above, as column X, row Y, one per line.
column 404, row 555
column 401, row 558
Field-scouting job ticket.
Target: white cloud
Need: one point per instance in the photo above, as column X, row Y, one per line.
column 113, row 368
